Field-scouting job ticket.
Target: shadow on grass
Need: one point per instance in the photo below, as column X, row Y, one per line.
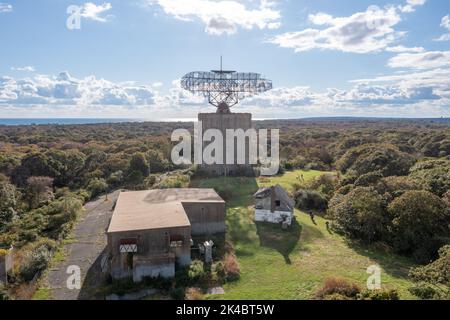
column 239, row 227
column 393, row 264
column 283, row 241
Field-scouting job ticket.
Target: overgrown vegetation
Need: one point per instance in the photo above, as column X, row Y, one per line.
column 382, row 184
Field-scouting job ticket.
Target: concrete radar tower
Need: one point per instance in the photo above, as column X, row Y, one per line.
column 224, row 89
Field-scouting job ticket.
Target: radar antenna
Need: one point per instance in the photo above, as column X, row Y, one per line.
column 225, row 88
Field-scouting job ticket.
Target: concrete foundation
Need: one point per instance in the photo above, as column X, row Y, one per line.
column 273, row 217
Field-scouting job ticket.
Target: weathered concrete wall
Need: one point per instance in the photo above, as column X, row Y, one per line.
column 273, row 217
column 222, row 122
column 151, row 244
column 6, row 264
column 147, row 269
column 206, row 218
column 265, row 203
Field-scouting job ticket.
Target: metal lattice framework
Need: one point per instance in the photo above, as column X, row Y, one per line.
column 225, row 89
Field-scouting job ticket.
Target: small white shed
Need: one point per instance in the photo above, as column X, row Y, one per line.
column 273, row 204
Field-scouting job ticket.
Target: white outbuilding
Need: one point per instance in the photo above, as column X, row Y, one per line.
column 273, row 204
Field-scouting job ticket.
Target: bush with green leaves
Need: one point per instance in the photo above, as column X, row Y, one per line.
column 177, row 293
column 433, row 174
column 360, row 214
column 36, row 259
column 384, row 158
column 433, row 279
column 378, row 294
column 196, row 270
column 97, row 186
column 3, row 293
column 418, row 218
column 220, row 271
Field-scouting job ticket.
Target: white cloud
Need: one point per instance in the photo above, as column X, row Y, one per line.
column 411, row 5
column 26, row 68
column 223, row 17
column 5, row 7
column 362, row 32
column 399, row 49
column 415, row 93
column 95, row 12
column 445, row 23
column 369, row 31
column 65, row 90
column 424, row 60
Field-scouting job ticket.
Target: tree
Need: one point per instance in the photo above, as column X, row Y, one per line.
column 418, row 218
column 97, row 186
column 36, row 164
column 156, row 161
column 8, row 203
column 72, row 163
column 434, row 174
column 433, row 280
column 361, row 214
column 39, row 190
column 139, row 163
column 384, row 158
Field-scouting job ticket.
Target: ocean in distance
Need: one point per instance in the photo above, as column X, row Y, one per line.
column 69, row 121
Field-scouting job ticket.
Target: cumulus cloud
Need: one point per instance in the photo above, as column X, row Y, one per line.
column 65, row 90
column 423, row 60
column 363, row 32
column 369, row 31
column 5, row 7
column 415, row 93
column 223, row 17
column 95, row 12
column 411, row 5
column 445, row 23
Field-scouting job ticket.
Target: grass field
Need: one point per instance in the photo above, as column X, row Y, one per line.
column 277, row 264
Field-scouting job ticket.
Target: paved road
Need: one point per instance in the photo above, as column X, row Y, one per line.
column 88, row 240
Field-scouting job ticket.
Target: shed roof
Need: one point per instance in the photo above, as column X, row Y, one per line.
column 280, row 192
column 155, row 209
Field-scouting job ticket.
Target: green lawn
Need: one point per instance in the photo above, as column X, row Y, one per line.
column 277, row 264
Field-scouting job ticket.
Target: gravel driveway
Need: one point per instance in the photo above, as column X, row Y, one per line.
column 87, row 242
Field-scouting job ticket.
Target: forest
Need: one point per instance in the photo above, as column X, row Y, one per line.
column 386, row 183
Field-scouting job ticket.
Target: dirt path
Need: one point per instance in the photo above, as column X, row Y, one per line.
column 87, row 242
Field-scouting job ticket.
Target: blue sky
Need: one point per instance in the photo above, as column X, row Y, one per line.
column 325, row 57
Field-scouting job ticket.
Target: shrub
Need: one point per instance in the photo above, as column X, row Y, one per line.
column 3, row 293
column 433, row 280
column 338, row 286
column 219, row 269
column 36, row 260
column 368, row 179
column 310, row 200
column 196, row 270
column 360, row 214
column 381, row 294
column 97, row 186
column 424, row 290
column 384, row 158
column 193, row 294
column 177, row 293
column 231, row 266
column 417, row 218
